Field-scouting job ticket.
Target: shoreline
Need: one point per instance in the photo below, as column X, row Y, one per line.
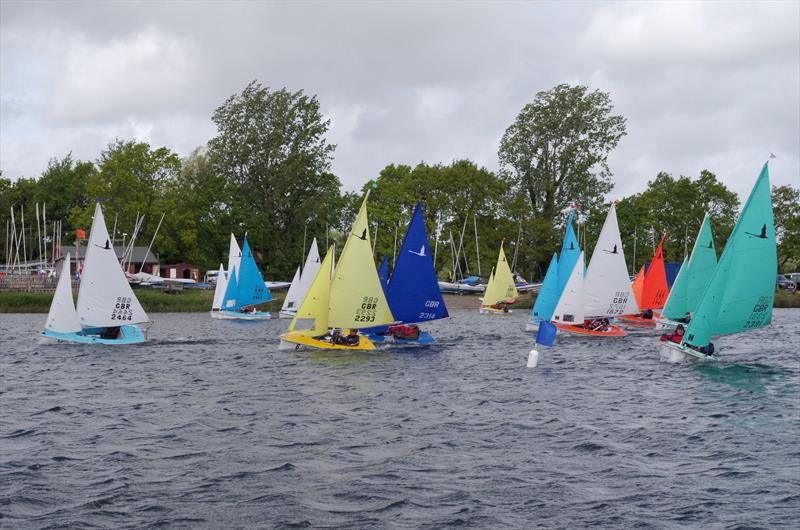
column 199, row 301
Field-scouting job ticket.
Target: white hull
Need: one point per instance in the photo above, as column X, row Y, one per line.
column 531, row 326
column 287, row 314
column 236, row 315
column 483, row 311
column 673, row 352
column 667, row 324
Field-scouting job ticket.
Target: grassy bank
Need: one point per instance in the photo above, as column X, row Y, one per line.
column 197, row 300
column 153, row 301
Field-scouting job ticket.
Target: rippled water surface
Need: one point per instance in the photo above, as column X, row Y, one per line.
column 209, row 425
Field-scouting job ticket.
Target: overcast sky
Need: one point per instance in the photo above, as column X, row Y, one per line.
column 703, row 85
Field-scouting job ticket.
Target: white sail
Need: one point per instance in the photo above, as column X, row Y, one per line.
column 234, row 257
column 607, row 288
column 310, row 270
column 62, row 317
column 219, row 290
column 569, row 309
column 293, row 299
column 105, row 298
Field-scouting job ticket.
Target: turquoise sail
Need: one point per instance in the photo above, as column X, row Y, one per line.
column 742, row 288
column 547, row 299
column 677, row 302
column 383, row 274
column 702, row 264
column 570, row 251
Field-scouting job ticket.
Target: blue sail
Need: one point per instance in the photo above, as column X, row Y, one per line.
column 570, row 251
column 383, row 274
column 547, row 299
column 413, row 292
column 250, row 289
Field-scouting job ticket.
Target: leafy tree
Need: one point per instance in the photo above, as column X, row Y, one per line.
column 271, row 150
column 673, row 205
column 786, row 207
column 556, row 151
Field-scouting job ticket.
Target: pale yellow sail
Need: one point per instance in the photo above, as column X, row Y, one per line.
column 501, row 285
column 311, row 318
column 357, row 299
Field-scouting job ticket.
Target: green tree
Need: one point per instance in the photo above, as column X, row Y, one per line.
column 556, row 151
column 669, row 205
column 271, row 150
column 786, row 207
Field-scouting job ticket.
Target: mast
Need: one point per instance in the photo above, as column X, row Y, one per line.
column 44, row 226
column 516, row 248
column 477, row 248
column 394, row 252
column 151, row 242
column 436, row 244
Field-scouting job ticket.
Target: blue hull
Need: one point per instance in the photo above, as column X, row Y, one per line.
column 425, row 339
column 129, row 334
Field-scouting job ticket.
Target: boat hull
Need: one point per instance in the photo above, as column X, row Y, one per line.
column 295, row 341
column 238, row 315
column 128, row 334
column 287, row 314
column 425, row 339
column 532, row 325
column 637, row 321
column 613, row 331
column 676, row 353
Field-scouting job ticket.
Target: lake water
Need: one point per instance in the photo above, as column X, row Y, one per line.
column 208, row 425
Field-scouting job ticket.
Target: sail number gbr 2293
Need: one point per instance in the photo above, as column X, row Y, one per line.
column 366, row 313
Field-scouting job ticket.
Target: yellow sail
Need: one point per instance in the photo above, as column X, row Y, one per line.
column 357, row 299
column 501, row 285
column 311, row 318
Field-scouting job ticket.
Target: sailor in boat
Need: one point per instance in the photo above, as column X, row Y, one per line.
column 599, row 324
column 503, row 306
column 351, row 339
column 685, row 319
column 405, row 331
column 110, row 333
column 676, row 337
column 248, row 309
column 647, row 314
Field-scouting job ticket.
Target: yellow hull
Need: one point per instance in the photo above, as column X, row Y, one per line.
column 296, row 341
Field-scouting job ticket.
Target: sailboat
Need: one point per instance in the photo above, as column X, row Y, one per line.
column 107, row 310
column 693, row 278
column 654, row 291
column 501, row 291
column 245, row 289
column 413, row 289
column 301, row 282
column 555, row 278
column 351, row 298
column 601, row 292
column 741, row 292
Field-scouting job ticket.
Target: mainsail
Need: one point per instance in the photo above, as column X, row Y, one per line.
column 413, row 292
column 234, row 256
column 570, row 250
column 607, row 288
column 677, row 304
column 548, row 295
column 742, row 289
column 702, row 264
column 105, row 298
column 655, row 290
column 219, row 289
column 357, row 299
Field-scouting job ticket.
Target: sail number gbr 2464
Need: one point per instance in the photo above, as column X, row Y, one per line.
column 366, row 313
column 122, row 309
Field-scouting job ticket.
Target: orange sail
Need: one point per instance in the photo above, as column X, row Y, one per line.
column 655, row 289
column 638, row 286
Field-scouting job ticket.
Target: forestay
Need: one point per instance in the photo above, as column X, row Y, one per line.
column 105, row 298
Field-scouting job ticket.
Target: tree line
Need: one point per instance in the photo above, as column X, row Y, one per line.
column 267, row 172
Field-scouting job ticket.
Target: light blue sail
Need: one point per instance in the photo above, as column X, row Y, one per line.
column 547, row 299
column 570, row 251
column 229, row 299
column 249, row 287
